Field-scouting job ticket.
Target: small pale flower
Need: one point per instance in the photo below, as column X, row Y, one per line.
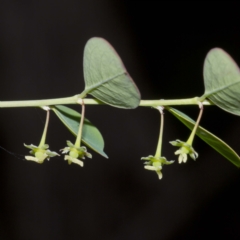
column 184, row 150
column 39, row 153
column 75, row 153
column 155, row 164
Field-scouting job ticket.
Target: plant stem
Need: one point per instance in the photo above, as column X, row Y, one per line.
column 74, row 100
column 187, row 101
column 159, row 146
column 79, row 136
column 39, row 103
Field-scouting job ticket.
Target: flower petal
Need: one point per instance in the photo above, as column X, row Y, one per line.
column 31, row 158
column 184, row 157
column 70, row 144
column 32, row 147
column 152, row 168
column 180, row 158
column 194, row 155
column 179, row 151
column 176, row 143
column 51, row 154
column 159, row 173
column 74, row 160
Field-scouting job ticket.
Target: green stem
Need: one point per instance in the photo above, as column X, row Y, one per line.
column 39, row 103
column 191, row 137
column 159, row 146
column 79, row 136
column 74, row 100
column 43, row 139
column 155, row 103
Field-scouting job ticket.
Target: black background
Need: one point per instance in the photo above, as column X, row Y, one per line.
column 163, row 45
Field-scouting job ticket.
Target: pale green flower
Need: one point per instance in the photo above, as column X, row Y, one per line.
column 40, row 153
column 155, row 164
column 184, row 150
column 75, row 153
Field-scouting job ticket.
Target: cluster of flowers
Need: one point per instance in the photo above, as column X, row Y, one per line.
column 156, row 162
column 74, row 152
column 41, row 153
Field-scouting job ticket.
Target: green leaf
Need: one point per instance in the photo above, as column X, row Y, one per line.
column 105, row 76
column 222, row 81
column 91, row 136
column 212, row 140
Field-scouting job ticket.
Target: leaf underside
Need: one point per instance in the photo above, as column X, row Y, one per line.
column 212, row 140
column 222, row 81
column 105, row 76
column 91, row 136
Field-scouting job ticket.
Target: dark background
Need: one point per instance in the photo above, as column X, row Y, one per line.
column 163, row 45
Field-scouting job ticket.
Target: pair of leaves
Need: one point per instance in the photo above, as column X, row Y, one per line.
column 106, row 79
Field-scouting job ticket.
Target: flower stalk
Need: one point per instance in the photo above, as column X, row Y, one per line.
column 159, row 145
column 193, row 133
column 186, row 147
column 75, row 150
column 41, row 152
column 44, row 135
column 155, row 163
column 80, row 130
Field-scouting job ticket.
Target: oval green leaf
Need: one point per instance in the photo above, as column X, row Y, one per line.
column 105, row 76
column 222, row 81
column 212, row 140
column 91, row 136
